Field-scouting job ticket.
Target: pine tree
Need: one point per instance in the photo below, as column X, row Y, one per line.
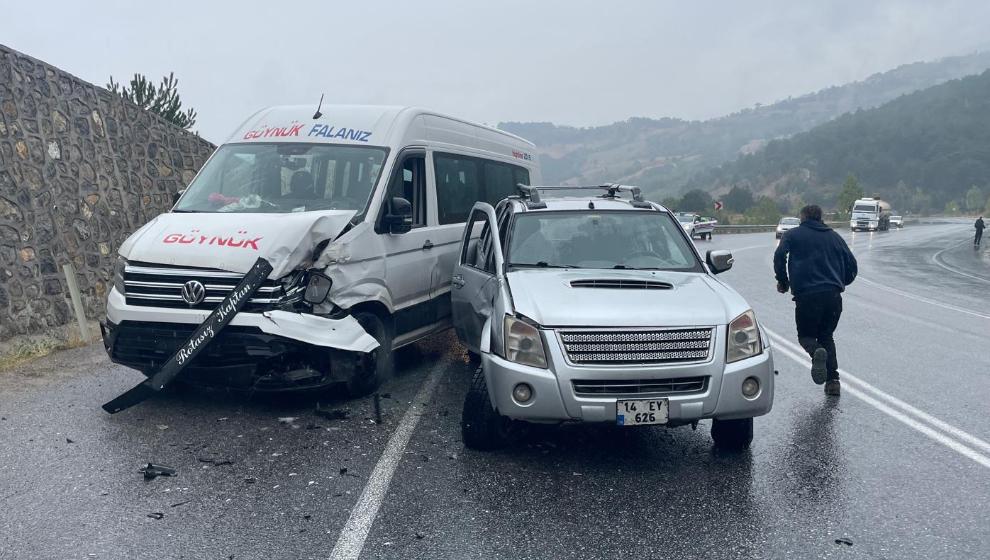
column 163, row 100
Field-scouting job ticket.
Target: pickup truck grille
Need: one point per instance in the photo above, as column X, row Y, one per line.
column 657, row 387
column 637, row 347
column 161, row 286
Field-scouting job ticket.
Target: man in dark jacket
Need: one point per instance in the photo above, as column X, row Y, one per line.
column 979, row 230
column 816, row 265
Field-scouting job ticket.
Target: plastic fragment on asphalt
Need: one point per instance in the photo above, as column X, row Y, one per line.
column 67, row 440
column 287, row 419
column 332, row 413
column 844, row 541
column 156, row 515
column 152, row 471
column 420, row 535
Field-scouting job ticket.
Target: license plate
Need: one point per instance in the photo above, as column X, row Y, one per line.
column 641, row 412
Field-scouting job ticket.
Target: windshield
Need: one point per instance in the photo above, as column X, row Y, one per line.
column 618, row 239
column 790, row 222
column 283, row 177
column 865, row 208
column 685, row 218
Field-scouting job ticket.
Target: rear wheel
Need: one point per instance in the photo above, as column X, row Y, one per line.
column 482, row 427
column 372, row 367
column 732, row 434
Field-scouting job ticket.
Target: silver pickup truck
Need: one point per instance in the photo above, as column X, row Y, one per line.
column 598, row 308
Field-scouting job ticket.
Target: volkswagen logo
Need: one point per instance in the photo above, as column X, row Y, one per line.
column 193, row 292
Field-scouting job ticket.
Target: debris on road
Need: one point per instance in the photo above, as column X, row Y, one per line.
column 332, row 413
column 156, row 515
column 180, row 503
column 250, row 479
column 152, row 471
column 420, row 536
column 845, row 541
column 288, row 419
column 67, row 440
column 215, row 461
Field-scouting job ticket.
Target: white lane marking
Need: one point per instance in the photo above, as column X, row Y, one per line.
column 922, row 299
column 355, row 532
column 973, row 440
column 860, row 388
column 939, row 262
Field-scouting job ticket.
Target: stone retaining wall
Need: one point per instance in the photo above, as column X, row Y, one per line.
column 80, row 169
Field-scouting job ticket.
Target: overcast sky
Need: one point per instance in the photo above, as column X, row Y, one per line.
column 570, row 62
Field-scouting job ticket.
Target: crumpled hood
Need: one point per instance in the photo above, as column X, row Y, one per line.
column 233, row 242
column 546, row 296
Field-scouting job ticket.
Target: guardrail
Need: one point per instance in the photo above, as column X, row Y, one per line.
column 764, row 228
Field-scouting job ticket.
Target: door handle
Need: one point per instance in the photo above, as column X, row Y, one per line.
column 428, row 245
column 457, row 281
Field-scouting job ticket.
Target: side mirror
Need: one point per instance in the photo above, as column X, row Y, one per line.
column 177, row 195
column 398, row 219
column 719, row 261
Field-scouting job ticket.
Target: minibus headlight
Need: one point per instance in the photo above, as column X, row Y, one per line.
column 744, row 338
column 118, row 274
column 523, row 343
column 317, row 289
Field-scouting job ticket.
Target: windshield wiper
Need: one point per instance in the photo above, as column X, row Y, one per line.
column 544, row 264
column 624, row 267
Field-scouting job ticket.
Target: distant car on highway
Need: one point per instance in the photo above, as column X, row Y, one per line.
column 785, row 225
column 697, row 226
column 599, row 309
column 897, row 221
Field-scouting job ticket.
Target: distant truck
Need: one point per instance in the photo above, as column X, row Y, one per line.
column 870, row 214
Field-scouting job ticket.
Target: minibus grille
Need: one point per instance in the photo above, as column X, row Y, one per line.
column 162, row 286
column 637, row 347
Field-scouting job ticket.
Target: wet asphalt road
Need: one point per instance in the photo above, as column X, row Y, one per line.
column 916, row 327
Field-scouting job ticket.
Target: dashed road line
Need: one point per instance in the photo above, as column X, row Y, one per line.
column 355, row 532
column 938, row 430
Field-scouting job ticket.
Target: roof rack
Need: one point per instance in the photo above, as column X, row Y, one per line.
column 531, row 193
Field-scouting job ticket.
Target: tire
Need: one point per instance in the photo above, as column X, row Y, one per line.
column 732, row 434
column 372, row 367
column 482, row 427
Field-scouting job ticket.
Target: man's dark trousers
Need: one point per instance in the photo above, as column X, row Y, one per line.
column 979, row 236
column 817, row 315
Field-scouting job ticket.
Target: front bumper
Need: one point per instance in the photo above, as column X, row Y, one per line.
column 555, row 400
column 275, row 350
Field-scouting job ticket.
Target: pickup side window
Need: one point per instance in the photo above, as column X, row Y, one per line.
column 477, row 251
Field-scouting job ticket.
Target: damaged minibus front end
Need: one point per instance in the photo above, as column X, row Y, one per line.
column 293, row 333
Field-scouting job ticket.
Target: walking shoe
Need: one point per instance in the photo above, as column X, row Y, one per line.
column 832, row 388
column 818, row 360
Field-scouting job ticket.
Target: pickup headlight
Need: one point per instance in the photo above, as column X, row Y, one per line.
column 118, row 274
column 523, row 343
column 744, row 338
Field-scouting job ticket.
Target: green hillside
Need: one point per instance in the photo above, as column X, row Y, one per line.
column 663, row 155
column 926, row 151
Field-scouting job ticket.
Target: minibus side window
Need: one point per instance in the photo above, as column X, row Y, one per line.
column 458, row 187
column 410, row 184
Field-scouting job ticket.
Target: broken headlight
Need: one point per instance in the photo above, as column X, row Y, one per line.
column 744, row 338
column 118, row 274
column 523, row 343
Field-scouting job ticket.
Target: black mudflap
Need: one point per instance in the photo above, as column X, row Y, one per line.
column 200, row 338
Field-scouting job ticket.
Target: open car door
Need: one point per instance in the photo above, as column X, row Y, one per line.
column 476, row 276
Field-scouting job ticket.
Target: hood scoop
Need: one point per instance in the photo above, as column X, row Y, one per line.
column 621, row 284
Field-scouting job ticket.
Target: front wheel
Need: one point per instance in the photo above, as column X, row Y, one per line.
column 482, row 427
column 372, row 367
column 732, row 434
